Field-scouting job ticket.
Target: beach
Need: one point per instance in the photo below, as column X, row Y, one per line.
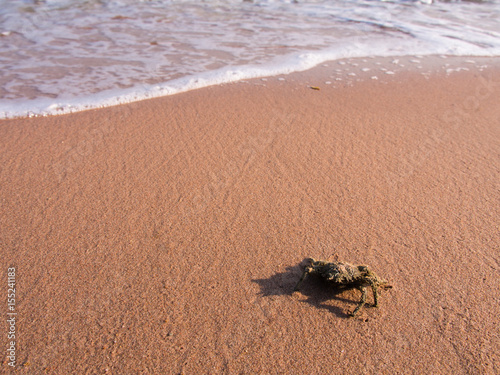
column 166, row 236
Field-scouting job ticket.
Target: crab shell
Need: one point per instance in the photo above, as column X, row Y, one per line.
column 338, row 272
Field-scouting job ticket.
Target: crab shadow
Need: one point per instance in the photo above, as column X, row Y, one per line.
column 317, row 291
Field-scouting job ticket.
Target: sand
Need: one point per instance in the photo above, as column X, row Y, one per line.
column 166, row 236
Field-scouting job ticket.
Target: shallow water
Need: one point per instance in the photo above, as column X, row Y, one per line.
column 60, row 56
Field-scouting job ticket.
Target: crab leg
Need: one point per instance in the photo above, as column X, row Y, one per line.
column 361, row 302
column 301, row 280
column 375, row 295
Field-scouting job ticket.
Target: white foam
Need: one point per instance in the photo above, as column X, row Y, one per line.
column 86, row 55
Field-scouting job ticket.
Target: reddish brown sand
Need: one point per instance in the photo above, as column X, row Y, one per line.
column 166, row 236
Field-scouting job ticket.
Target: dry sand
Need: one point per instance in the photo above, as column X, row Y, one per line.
column 166, row 236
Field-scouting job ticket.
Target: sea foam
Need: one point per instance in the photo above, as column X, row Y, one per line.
column 63, row 56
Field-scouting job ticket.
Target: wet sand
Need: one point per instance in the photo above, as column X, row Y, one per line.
column 166, row 236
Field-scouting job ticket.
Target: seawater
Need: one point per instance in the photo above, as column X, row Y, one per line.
column 60, row 56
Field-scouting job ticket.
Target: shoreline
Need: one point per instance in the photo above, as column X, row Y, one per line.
column 350, row 70
column 166, row 236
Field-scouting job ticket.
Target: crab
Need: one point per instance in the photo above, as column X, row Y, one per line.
column 345, row 275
